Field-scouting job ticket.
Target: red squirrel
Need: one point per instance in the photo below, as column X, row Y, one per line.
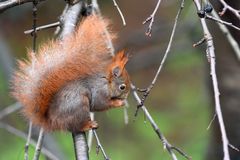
column 66, row 80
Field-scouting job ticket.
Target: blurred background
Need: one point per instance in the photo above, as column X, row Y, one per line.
column 181, row 102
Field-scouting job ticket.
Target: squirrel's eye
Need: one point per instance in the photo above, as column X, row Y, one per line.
column 122, row 87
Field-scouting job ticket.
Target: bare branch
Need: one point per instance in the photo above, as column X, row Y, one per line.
column 28, row 141
column 51, row 25
column 22, row 135
column 231, row 9
column 233, row 147
column 201, row 41
column 120, row 12
column 147, row 91
column 10, row 109
column 39, row 145
column 230, row 38
column 155, row 127
column 211, row 52
column 99, row 145
column 214, row 116
column 69, row 19
column 80, row 146
column 12, row 3
column 151, row 19
column 222, row 22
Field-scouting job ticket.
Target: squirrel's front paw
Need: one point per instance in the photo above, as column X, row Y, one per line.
column 89, row 125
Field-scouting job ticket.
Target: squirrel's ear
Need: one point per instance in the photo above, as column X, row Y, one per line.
column 118, row 64
column 116, row 71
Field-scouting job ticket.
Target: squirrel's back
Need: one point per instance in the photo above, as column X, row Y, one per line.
column 82, row 54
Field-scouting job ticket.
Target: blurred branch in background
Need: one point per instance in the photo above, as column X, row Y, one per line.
column 6, row 59
column 12, row 3
column 10, row 109
column 22, row 135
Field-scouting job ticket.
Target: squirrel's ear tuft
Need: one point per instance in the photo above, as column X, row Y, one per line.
column 118, row 63
column 121, row 59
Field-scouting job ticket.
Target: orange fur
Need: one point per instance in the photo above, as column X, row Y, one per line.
column 119, row 60
column 82, row 54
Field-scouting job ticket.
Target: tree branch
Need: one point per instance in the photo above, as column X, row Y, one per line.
column 222, row 22
column 147, row 91
column 22, row 135
column 28, row 141
column 99, row 145
column 80, row 146
column 230, row 38
column 39, row 145
column 12, row 3
column 10, row 109
column 210, row 51
column 120, row 12
column 231, row 9
column 151, row 19
column 155, row 127
column 51, row 25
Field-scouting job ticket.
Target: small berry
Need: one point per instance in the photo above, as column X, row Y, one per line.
column 201, row 14
column 208, row 8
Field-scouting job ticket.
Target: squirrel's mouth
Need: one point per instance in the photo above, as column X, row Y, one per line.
column 118, row 98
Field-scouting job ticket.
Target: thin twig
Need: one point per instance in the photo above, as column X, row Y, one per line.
column 12, row 3
column 201, row 41
column 211, row 52
column 147, row 92
column 28, row 141
column 231, row 9
column 233, row 147
column 222, row 22
column 99, row 145
column 214, row 116
column 230, row 38
column 22, row 135
column 151, row 19
column 10, row 109
column 39, row 145
column 52, row 25
column 155, row 127
column 120, row 12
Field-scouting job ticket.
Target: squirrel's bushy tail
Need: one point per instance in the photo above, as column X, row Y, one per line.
column 58, row 62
